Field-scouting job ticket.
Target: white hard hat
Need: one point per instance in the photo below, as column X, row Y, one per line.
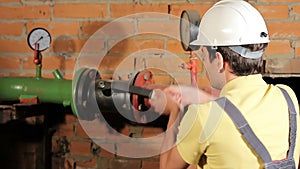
column 230, row 23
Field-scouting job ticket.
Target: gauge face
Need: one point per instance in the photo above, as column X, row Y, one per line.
column 185, row 31
column 189, row 24
column 39, row 39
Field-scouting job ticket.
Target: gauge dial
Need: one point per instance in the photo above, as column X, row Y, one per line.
column 189, row 24
column 39, row 39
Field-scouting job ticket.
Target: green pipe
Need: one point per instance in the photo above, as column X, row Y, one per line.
column 57, row 74
column 57, row 90
column 38, row 71
column 47, row 90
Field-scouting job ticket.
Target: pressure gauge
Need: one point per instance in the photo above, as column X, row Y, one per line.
column 39, row 39
column 189, row 26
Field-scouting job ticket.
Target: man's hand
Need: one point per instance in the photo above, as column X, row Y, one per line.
column 164, row 103
column 175, row 97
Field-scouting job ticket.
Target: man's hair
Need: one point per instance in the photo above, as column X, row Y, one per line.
column 242, row 66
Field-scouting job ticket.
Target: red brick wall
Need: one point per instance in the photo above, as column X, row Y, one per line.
column 71, row 23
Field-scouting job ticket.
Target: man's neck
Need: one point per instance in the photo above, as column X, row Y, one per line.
column 228, row 75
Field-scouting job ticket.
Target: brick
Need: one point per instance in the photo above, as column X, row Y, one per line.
column 95, row 130
column 162, row 79
column 134, row 45
column 164, row 28
column 105, row 75
column 68, row 76
column 121, row 10
column 117, row 63
column 88, row 61
column 279, row 1
column 174, row 46
column 54, row 62
column 55, row 147
column 65, row 130
column 82, row 10
column 103, row 162
column 9, row 0
column 110, row 30
column 282, row 65
column 80, row 132
column 60, row 146
column 125, row 163
column 296, row 10
column 176, row 9
column 203, row 82
column 107, row 150
column 171, row 65
column 139, row 149
column 25, row 12
column 65, row 45
column 11, row 29
column 297, row 49
column 91, row 163
column 116, row 30
column 70, row 118
column 278, row 47
column 69, row 163
column 152, row 131
column 90, row 27
column 150, row 164
column 28, row 63
column 66, row 28
column 80, row 148
column 10, row 62
column 284, row 29
column 273, row 11
column 8, row 45
column 94, row 46
column 69, row 64
column 186, row 80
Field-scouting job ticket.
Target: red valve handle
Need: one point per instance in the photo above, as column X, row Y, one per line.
column 36, row 57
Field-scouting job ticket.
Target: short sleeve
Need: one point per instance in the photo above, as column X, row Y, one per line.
column 188, row 136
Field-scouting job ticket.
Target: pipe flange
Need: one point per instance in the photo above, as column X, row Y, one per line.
column 140, row 104
column 84, row 98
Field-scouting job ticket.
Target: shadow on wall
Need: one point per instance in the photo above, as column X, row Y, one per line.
column 63, row 47
column 26, row 143
column 21, row 145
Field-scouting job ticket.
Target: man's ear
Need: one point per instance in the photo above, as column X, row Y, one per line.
column 220, row 62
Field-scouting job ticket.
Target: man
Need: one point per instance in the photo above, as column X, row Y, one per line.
column 232, row 37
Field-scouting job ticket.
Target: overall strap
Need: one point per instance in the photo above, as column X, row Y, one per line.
column 293, row 122
column 245, row 129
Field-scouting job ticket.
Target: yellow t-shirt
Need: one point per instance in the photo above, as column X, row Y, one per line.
column 207, row 130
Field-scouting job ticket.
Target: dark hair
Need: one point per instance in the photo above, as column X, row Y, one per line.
column 242, row 66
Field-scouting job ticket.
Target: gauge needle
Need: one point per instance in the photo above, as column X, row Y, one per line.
column 40, row 39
